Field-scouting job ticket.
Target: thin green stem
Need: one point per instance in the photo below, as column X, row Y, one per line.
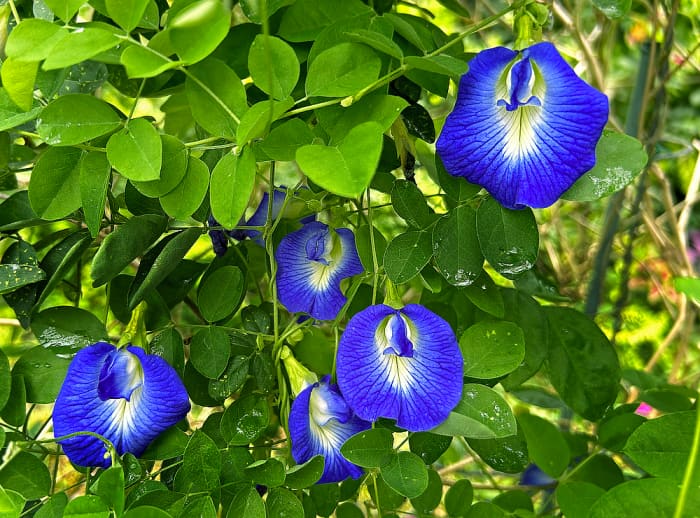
column 136, row 101
column 15, row 13
column 375, row 261
column 690, row 467
column 210, row 93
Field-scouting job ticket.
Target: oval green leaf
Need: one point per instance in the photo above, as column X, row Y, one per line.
column 456, row 248
column 136, row 151
column 492, row 349
column 76, row 118
column 232, row 184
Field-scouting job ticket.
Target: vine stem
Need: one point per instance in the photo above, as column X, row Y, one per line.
column 690, row 467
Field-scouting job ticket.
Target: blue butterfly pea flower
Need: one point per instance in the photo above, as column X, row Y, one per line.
column 524, row 126
column 320, row 421
column 401, row 364
column 125, row 395
column 311, row 263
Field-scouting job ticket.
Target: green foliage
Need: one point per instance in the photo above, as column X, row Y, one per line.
column 128, row 127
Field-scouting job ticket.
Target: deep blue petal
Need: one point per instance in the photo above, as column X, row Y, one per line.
column 157, row 403
column 310, row 269
column 525, row 138
column 323, row 403
column 418, row 391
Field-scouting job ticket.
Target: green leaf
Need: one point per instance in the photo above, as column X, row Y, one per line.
column 527, row 314
column 575, row 499
column 64, row 9
column 342, row 70
column 217, row 97
column 18, row 79
column 363, row 242
column 407, row 254
column 688, row 285
column 232, row 182
column 33, row 39
column 27, row 475
column 508, row 238
column 12, row 115
column 54, row 187
column 78, row 46
column 11, row 503
column 442, row 64
column 76, row 118
column 661, row 446
column 258, row 11
column 43, row 373
column 273, row 65
column 305, row 475
column 428, row 446
column 141, row 62
column 188, row 195
column 583, row 365
column 409, row 203
column 5, row 382
column 406, row 474
column 61, row 259
column 136, row 151
column 128, row 241
column 284, row 140
column 458, row 498
column 378, row 107
column 233, row 378
column 655, row 496
column 281, row 503
column 430, row 498
column 546, row 444
column 202, row 506
column 245, row 420
column 305, row 19
column 198, row 28
column 268, row 472
column 377, row 41
column 369, row 449
column 64, row 330
column 110, row 487
column 246, row 502
column 613, row 9
column 13, row 276
column 507, row 454
column 22, row 300
column 209, row 351
column 127, row 13
column 492, row 349
column 455, row 247
column 256, row 122
column 95, row 173
column 201, row 465
column 220, row 293
column 172, row 170
column 168, row 445
column 53, row 507
column 346, row 169
column 160, row 262
column 619, row 160
column 481, row 414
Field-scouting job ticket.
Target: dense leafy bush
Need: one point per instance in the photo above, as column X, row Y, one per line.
column 311, row 310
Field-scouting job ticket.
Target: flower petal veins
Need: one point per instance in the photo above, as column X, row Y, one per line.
column 401, row 364
column 311, row 263
column 125, row 395
column 524, row 126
